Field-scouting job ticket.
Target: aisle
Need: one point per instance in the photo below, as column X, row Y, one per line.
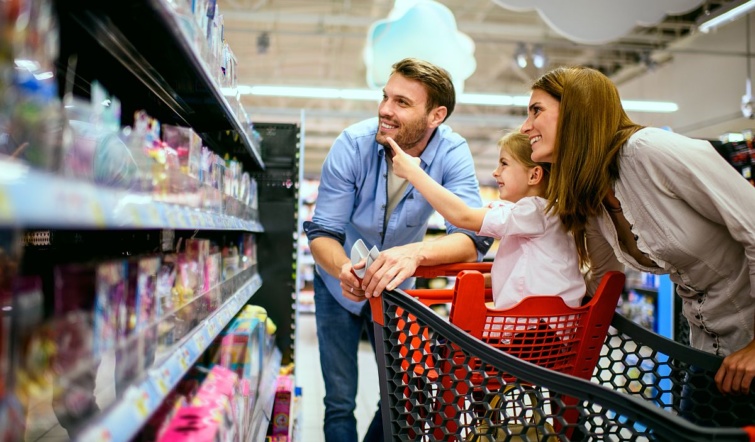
column 310, row 379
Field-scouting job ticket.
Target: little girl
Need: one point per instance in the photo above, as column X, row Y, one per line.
column 536, row 255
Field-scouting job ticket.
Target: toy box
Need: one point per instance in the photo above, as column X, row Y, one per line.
column 282, row 407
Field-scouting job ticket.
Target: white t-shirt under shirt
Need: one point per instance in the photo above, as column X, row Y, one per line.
column 536, row 255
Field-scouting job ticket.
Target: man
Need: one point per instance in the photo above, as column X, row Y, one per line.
column 360, row 198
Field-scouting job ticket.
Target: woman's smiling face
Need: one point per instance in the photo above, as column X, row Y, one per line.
column 541, row 125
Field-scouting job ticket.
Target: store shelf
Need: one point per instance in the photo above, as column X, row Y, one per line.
column 32, row 199
column 123, row 420
column 263, row 407
column 152, row 41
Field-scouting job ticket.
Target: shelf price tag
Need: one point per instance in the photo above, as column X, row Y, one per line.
column 98, row 213
column 172, row 217
column 141, row 404
column 161, row 380
column 200, row 341
column 136, row 217
column 152, row 216
column 183, row 360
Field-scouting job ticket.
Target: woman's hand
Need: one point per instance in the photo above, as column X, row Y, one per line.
column 737, row 371
column 403, row 164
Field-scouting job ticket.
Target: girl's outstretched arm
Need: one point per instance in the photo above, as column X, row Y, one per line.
column 450, row 206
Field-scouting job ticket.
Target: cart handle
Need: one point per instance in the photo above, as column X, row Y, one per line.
column 445, row 296
column 451, row 269
column 435, row 296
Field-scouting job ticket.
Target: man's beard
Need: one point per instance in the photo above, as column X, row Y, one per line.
column 408, row 136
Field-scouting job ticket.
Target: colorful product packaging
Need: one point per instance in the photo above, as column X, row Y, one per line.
column 193, row 424
column 188, row 145
column 110, row 310
column 198, row 250
column 282, row 406
column 237, row 347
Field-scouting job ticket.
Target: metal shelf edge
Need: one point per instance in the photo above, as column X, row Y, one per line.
column 32, row 198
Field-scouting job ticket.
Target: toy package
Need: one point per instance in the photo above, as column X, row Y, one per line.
column 110, row 310
column 212, row 414
column 282, row 406
column 213, row 271
column 193, row 424
column 238, row 346
column 248, row 250
column 166, row 302
column 187, row 144
column 146, row 292
column 199, row 250
column 141, row 327
column 74, row 361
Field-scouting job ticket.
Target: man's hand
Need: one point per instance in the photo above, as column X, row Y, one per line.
column 737, row 371
column 350, row 284
column 392, row 267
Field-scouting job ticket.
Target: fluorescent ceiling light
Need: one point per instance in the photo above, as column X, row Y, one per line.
column 376, row 95
column 649, row 106
column 728, row 14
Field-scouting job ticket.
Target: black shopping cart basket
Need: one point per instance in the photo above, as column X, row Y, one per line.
column 520, row 375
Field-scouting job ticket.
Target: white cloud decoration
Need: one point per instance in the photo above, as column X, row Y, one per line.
column 422, row 29
column 600, row 21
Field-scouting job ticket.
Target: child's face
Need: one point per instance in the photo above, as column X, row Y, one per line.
column 512, row 178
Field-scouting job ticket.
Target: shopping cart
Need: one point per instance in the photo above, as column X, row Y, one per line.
column 454, row 381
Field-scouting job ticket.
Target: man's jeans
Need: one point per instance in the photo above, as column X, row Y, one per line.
column 338, row 335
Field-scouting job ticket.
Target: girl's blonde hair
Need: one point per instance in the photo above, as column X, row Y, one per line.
column 518, row 146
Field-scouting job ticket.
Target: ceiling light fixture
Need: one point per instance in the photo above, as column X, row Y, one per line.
column 465, row 98
column 538, row 57
column 726, row 15
column 520, row 56
column 263, row 43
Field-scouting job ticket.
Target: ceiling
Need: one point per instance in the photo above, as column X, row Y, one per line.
column 320, row 43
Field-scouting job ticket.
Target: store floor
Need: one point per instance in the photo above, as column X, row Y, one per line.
column 309, row 377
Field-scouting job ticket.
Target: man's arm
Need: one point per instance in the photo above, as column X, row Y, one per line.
column 328, row 253
column 396, row 264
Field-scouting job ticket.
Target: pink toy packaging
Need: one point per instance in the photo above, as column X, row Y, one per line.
column 282, row 406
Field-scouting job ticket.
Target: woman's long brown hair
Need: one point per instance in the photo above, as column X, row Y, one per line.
column 592, row 128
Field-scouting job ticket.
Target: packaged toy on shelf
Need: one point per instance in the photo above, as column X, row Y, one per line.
column 282, row 410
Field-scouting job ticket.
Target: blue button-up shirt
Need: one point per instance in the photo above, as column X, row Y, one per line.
column 353, row 195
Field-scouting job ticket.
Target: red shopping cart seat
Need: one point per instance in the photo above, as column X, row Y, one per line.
column 542, row 330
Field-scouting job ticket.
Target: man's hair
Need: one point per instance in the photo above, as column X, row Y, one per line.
column 437, row 82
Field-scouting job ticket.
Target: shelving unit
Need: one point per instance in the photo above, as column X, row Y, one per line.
column 144, row 53
column 125, row 417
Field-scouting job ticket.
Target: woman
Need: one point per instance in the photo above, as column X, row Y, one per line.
column 655, row 201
